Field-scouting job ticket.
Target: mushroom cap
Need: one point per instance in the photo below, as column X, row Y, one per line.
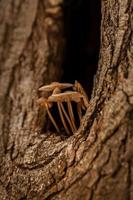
column 65, row 96
column 53, row 85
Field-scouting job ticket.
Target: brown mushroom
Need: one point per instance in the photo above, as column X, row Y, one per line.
column 51, row 87
column 63, row 97
column 44, row 103
column 67, row 97
column 77, row 87
column 78, row 95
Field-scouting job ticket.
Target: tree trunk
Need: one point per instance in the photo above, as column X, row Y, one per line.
column 96, row 161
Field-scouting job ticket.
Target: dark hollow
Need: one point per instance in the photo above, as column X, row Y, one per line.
column 82, row 32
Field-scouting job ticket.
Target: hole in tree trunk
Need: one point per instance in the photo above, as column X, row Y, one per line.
column 82, row 32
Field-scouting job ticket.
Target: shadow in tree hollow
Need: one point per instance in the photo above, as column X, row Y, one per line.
column 82, row 32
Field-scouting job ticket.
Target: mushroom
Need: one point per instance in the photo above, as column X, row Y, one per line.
column 78, row 95
column 63, row 97
column 77, row 87
column 55, row 87
column 44, row 103
column 67, row 97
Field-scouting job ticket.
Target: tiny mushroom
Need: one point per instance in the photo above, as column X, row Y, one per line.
column 78, row 87
column 55, row 87
column 67, row 97
column 44, row 103
column 77, row 95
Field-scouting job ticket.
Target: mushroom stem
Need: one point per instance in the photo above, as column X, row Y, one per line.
column 62, row 118
column 51, row 117
column 67, row 117
column 71, row 115
column 78, row 87
column 79, row 111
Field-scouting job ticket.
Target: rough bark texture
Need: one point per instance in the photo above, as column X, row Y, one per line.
column 94, row 163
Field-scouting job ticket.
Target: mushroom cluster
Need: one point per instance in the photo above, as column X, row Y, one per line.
column 57, row 95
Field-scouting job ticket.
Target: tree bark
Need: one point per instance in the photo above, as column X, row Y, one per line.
column 95, row 162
